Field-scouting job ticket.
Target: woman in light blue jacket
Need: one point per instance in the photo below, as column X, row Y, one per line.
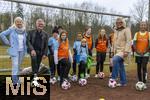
column 17, row 46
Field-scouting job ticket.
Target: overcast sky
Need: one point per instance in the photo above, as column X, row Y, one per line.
column 122, row 6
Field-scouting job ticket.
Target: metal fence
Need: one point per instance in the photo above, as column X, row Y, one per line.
column 73, row 19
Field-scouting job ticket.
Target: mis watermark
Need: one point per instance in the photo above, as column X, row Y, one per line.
column 25, row 90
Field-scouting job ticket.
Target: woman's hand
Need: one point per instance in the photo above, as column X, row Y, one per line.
column 125, row 54
column 33, row 53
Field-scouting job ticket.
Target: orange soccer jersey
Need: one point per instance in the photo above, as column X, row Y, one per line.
column 89, row 41
column 142, row 42
column 101, row 45
column 63, row 50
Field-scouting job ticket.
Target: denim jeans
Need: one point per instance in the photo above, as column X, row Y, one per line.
column 52, row 65
column 16, row 62
column 118, row 67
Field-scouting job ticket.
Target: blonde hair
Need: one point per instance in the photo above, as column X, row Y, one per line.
column 122, row 20
column 83, row 40
column 100, row 36
column 20, row 19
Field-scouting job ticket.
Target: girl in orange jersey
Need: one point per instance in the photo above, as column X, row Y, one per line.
column 101, row 45
column 62, row 57
column 141, row 44
column 88, row 36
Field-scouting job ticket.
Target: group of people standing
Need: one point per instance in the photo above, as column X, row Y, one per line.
column 39, row 45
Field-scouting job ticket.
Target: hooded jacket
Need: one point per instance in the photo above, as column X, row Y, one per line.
column 122, row 40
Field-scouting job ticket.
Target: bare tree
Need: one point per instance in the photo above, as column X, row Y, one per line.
column 139, row 10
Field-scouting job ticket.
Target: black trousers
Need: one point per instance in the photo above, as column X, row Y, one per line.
column 82, row 69
column 74, row 65
column 100, row 58
column 111, row 54
column 64, row 69
column 142, row 68
column 36, row 61
column 52, row 65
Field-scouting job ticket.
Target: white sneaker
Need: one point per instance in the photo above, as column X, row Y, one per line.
column 74, row 78
column 69, row 76
column 121, row 85
column 58, row 78
column 87, row 75
column 96, row 76
column 18, row 84
column 35, row 83
column 53, row 80
column 110, row 75
column 145, row 87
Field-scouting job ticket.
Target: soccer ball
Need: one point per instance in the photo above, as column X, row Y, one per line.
column 112, row 83
column 74, row 78
column 35, row 83
column 82, row 82
column 53, row 80
column 101, row 75
column 66, row 85
column 139, row 86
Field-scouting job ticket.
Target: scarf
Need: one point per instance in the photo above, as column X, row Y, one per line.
column 20, row 30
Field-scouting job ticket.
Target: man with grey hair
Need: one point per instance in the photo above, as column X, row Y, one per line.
column 37, row 43
column 121, row 49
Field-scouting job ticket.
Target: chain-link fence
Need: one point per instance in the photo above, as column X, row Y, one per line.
column 73, row 19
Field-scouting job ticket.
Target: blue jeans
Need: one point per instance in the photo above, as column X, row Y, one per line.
column 16, row 62
column 118, row 67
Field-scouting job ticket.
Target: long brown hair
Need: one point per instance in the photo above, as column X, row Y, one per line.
column 60, row 40
column 100, row 37
column 86, row 28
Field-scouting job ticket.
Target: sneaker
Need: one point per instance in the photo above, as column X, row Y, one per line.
column 87, row 75
column 121, row 85
column 53, row 80
column 69, row 75
column 35, row 83
column 58, row 78
column 96, row 76
column 16, row 85
column 110, row 75
column 74, row 78
column 145, row 87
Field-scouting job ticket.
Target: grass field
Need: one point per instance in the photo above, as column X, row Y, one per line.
column 3, row 50
column 5, row 63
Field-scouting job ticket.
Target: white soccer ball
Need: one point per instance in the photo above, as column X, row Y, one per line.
column 139, row 86
column 82, row 82
column 112, row 83
column 74, row 78
column 66, row 85
column 53, row 80
column 101, row 75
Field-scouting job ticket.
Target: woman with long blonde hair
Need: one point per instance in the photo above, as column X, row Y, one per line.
column 17, row 46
